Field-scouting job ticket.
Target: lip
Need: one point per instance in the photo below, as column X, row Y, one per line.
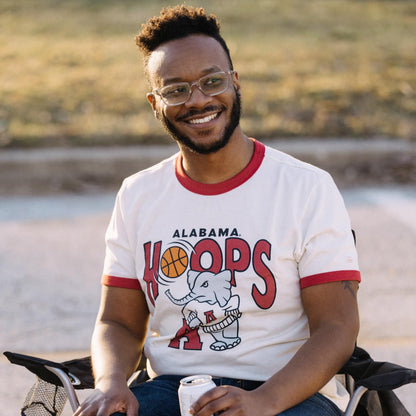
column 202, row 120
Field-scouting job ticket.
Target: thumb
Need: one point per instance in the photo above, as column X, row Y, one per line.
column 132, row 408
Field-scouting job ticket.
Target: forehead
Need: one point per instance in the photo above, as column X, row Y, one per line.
column 186, row 59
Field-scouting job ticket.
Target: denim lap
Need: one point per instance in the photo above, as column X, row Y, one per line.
column 159, row 397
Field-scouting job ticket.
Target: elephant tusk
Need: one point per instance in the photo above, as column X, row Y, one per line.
column 180, row 302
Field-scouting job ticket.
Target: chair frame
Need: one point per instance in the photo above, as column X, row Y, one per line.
column 74, row 402
column 67, row 384
column 361, row 373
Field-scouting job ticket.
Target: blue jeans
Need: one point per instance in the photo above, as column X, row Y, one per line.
column 159, row 397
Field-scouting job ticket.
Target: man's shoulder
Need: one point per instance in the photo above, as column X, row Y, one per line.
column 160, row 169
column 278, row 159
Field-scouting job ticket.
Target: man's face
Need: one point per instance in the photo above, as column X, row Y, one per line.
column 203, row 124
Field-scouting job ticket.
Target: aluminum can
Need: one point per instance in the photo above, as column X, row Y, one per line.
column 191, row 389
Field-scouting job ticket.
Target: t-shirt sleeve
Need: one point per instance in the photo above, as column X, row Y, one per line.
column 328, row 250
column 119, row 262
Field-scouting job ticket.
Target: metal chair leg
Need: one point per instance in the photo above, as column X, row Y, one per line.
column 66, row 382
column 355, row 398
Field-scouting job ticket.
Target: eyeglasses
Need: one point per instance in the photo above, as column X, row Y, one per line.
column 179, row 93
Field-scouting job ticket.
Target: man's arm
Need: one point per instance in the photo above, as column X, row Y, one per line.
column 332, row 312
column 117, row 342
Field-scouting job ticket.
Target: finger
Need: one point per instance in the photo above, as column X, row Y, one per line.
column 83, row 410
column 106, row 411
column 208, row 397
column 107, row 408
column 132, row 409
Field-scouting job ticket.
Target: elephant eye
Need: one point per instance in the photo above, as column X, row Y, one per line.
column 205, row 284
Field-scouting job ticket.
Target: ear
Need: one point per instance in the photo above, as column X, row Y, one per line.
column 192, row 275
column 223, row 287
column 152, row 101
column 236, row 82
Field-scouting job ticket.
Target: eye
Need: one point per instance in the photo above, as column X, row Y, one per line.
column 205, row 284
column 214, row 80
column 174, row 90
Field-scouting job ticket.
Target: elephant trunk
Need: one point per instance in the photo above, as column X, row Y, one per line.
column 180, row 302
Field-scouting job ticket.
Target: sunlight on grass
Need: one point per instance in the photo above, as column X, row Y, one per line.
column 71, row 73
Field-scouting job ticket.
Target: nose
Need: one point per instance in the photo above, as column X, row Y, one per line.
column 197, row 97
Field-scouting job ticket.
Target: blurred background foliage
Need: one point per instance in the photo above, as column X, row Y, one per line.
column 71, row 73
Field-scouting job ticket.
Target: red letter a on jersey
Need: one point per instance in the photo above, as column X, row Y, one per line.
column 191, row 334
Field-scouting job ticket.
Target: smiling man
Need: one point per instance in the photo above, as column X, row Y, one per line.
column 203, row 130
column 229, row 258
column 199, row 103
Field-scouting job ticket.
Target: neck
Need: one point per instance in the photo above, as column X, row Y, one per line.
column 222, row 165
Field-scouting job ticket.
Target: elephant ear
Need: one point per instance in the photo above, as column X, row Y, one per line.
column 192, row 275
column 223, row 287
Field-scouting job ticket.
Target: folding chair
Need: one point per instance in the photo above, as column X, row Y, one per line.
column 370, row 383
column 57, row 382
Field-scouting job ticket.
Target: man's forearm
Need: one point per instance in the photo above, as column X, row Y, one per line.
column 115, row 352
column 117, row 342
column 334, row 323
column 316, row 362
column 306, row 373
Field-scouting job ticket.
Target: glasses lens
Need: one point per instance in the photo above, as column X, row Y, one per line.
column 175, row 93
column 214, row 84
column 211, row 84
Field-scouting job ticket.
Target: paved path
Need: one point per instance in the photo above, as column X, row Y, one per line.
column 41, row 171
column 51, row 252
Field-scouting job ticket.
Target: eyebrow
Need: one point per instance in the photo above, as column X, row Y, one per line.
column 204, row 72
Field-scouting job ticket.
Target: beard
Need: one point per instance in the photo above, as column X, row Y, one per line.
column 213, row 147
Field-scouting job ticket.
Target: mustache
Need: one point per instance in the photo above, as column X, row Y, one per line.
column 208, row 109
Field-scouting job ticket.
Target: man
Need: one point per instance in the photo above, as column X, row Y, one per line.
column 230, row 258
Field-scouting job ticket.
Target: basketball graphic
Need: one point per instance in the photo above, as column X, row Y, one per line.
column 174, row 262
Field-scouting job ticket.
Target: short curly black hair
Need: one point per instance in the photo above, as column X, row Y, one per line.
column 175, row 23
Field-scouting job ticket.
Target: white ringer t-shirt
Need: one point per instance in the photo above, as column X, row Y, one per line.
column 223, row 265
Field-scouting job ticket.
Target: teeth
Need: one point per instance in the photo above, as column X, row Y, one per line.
column 203, row 120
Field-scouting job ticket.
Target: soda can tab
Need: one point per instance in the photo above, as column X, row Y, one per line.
column 191, row 389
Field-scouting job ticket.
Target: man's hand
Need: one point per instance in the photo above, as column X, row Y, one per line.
column 108, row 400
column 230, row 401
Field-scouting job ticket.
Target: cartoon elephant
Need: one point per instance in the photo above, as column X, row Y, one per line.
column 221, row 320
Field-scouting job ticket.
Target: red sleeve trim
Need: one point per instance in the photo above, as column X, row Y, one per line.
column 317, row 279
column 122, row 282
column 226, row 186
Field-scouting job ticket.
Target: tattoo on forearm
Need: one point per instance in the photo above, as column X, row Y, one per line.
column 348, row 286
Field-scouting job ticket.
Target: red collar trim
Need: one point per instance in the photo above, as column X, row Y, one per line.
column 226, row 186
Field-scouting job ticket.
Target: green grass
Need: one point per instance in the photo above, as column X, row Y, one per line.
column 72, row 75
